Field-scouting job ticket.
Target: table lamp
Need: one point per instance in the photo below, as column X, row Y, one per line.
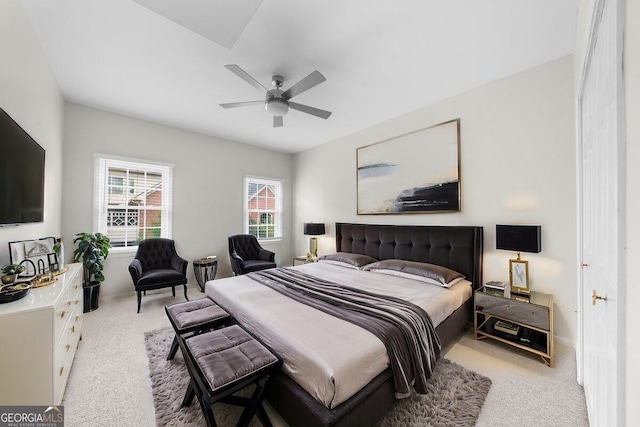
column 519, row 238
column 313, row 229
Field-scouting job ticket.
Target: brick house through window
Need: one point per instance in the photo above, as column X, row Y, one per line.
column 133, row 204
column 263, row 208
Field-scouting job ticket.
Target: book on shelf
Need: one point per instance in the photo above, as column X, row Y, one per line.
column 506, row 327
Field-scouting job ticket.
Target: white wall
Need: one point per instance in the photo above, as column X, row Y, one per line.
column 30, row 95
column 207, row 184
column 517, row 166
column 632, row 97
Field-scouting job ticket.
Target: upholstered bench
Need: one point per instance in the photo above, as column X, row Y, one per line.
column 194, row 317
column 223, row 362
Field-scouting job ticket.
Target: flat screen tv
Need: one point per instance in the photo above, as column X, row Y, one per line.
column 21, row 174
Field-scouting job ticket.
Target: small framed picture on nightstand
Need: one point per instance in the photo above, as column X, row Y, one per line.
column 519, row 276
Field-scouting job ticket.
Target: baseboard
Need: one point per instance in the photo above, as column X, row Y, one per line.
column 565, row 342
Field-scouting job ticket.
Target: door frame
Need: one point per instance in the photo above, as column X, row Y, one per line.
column 594, row 15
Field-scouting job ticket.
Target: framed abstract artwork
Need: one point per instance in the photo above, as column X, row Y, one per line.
column 418, row 172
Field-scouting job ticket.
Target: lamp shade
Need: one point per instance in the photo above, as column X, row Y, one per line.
column 313, row 228
column 519, row 238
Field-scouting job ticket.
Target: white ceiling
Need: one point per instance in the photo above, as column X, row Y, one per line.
column 381, row 58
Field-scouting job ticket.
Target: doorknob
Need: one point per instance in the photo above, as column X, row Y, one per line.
column 596, row 297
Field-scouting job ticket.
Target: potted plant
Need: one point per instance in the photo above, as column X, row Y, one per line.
column 10, row 272
column 91, row 251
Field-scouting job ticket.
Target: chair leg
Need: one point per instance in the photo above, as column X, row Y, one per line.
column 139, row 300
column 174, row 348
column 173, row 290
column 185, row 292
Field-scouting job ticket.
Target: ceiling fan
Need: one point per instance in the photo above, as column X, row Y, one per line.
column 277, row 102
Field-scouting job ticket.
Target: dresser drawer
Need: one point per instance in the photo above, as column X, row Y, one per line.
column 65, row 351
column 522, row 312
column 68, row 303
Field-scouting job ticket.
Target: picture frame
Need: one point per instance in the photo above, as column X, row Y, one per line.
column 519, row 276
column 37, row 256
column 418, row 172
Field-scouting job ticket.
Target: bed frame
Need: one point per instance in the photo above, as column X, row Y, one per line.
column 458, row 248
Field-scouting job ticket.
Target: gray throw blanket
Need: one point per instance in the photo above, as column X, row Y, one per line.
column 405, row 328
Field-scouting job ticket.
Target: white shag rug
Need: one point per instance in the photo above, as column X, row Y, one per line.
column 455, row 396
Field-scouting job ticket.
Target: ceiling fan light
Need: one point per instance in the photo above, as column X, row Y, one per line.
column 276, row 107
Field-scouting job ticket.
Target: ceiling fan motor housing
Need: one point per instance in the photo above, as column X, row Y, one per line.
column 276, row 105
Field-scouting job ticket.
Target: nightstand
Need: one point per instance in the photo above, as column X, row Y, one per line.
column 205, row 269
column 302, row 259
column 522, row 322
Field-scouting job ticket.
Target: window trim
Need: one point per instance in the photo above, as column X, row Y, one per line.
column 279, row 210
column 100, row 192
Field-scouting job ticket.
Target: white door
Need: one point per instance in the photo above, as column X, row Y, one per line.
column 602, row 220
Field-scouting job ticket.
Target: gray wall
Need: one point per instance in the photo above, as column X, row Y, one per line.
column 207, row 185
column 30, row 95
column 517, row 166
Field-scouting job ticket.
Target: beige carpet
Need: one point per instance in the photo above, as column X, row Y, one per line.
column 455, row 396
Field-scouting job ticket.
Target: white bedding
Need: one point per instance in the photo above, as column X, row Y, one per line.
column 330, row 358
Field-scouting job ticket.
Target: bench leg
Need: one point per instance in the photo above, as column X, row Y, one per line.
column 188, row 396
column 174, row 348
column 185, row 292
column 173, row 290
column 205, row 404
column 256, row 402
column 263, row 417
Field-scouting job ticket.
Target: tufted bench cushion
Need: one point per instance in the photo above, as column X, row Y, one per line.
column 228, row 355
column 225, row 361
column 195, row 316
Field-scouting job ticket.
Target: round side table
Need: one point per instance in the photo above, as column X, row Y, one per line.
column 205, row 269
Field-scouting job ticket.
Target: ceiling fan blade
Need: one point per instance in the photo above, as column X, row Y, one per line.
column 277, row 121
column 240, row 104
column 245, row 76
column 310, row 110
column 307, row 83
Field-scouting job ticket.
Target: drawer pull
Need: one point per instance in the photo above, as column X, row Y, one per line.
column 62, row 313
column 61, row 369
column 75, row 286
column 72, row 302
column 77, row 317
column 67, row 347
column 73, row 328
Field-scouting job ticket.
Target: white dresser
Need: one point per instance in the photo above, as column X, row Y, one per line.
column 39, row 335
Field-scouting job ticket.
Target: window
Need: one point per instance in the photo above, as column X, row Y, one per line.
column 133, row 200
column 263, row 207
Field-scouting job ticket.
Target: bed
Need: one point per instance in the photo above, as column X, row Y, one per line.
column 335, row 373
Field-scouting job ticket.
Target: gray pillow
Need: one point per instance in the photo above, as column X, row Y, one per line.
column 422, row 271
column 347, row 259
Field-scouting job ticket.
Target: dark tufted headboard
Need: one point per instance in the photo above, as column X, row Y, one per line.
column 456, row 247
